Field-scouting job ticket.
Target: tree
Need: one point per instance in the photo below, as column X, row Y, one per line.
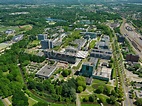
column 112, row 99
column 100, row 89
column 92, row 98
column 79, row 89
column 65, row 73
column 107, row 90
column 86, row 99
column 19, row 99
column 41, row 104
column 139, row 102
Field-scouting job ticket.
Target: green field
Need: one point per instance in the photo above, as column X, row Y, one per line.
column 31, row 101
column 4, row 28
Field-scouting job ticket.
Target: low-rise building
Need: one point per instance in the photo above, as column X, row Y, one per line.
column 102, row 73
column 132, row 58
column 60, row 56
column 80, row 43
column 46, row 71
column 100, row 53
column 10, row 31
column 120, row 38
column 17, row 38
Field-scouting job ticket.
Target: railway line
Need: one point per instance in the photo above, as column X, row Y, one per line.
column 133, row 38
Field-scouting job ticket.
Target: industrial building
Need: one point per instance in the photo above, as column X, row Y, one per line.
column 46, row 44
column 46, row 71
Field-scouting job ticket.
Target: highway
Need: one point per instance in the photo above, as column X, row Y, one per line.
column 132, row 37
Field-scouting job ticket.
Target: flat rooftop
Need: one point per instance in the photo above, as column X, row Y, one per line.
column 103, row 72
column 46, row 71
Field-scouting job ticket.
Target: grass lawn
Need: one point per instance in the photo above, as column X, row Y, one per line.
column 99, row 81
column 10, row 98
column 90, row 105
column 35, row 42
column 63, row 105
column 92, row 44
column 4, row 28
column 102, row 96
column 6, row 73
column 31, row 101
column 90, row 88
column 1, row 103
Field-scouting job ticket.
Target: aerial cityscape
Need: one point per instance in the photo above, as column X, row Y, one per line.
column 71, row 53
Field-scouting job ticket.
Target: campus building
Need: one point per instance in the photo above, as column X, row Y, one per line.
column 46, row 71
column 102, row 50
column 102, row 73
column 42, row 37
column 88, row 68
column 60, row 56
column 46, row 44
column 101, row 53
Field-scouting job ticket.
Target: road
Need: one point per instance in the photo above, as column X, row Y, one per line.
column 6, row 102
column 120, row 62
column 77, row 100
column 132, row 36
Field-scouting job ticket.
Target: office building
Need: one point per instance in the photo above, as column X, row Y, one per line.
column 60, row 56
column 46, row 44
column 88, row 68
column 100, row 53
column 42, row 36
